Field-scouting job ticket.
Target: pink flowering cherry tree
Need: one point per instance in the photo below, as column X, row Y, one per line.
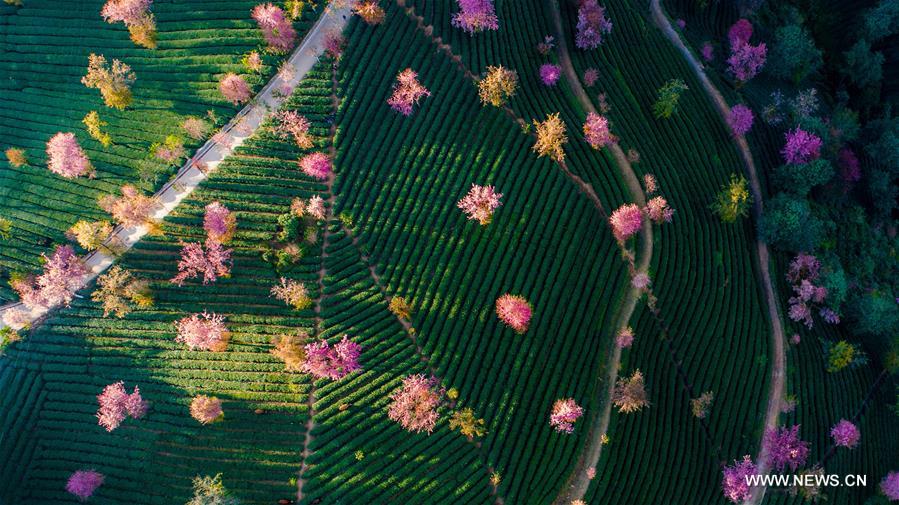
column 324, row 361
column 479, row 203
column 740, row 119
column 746, row 60
column 801, row 147
column 56, row 285
column 414, row 405
column 203, row 332
column 735, row 487
column 290, row 123
column 219, row 223
column 626, row 221
column 845, row 434
column 515, row 312
column 597, row 132
column 625, row 337
column 66, row 158
column 235, row 89
column 407, row 92
column 564, row 414
column 206, row 409
column 592, row 24
column 785, row 448
column 84, row 483
column 211, row 262
column 889, row 486
column 658, row 210
column 316, row 165
column 550, row 73
column 131, row 209
column 276, row 28
column 476, row 16
column 116, row 405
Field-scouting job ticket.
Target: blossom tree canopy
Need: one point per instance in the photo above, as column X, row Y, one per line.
column 206, row 409
column 17, row 319
column 407, row 91
column 497, row 86
column 276, row 28
column 746, row 60
column 370, row 12
column 290, row 123
column 89, row 234
column 113, row 82
column 195, row 128
column 219, row 223
column 480, row 202
column 116, row 405
column 326, row 362
column 414, row 405
column 131, row 209
column 316, row 165
column 117, row 287
column 235, row 89
column 315, row 207
column 740, row 119
column 785, row 448
column 66, row 158
column 625, row 337
column 658, row 210
column 592, row 23
column 890, row 486
column 739, row 33
column 596, row 131
column 629, row 393
column 564, row 414
column 550, row 73
column 211, row 262
column 734, row 485
column 845, row 434
column 292, row 293
column 708, row 52
column 515, row 312
column 476, row 16
column 136, row 16
column 591, row 75
column 626, row 221
column 650, row 184
column 551, row 137
column 83, row 483
column 203, row 332
column 801, row 147
column 641, row 281
column 289, row 349
column 56, row 285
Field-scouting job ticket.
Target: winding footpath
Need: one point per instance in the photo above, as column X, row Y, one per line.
column 578, row 482
column 208, row 157
column 778, row 364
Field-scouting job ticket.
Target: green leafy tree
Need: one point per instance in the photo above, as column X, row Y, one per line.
column 789, row 224
column 794, row 55
column 800, row 179
column 863, row 66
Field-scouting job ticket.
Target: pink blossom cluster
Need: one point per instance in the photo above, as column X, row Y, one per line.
column 785, row 448
column 626, row 221
column 745, row 59
column 219, row 223
column 276, row 28
column 326, row 362
column 480, row 202
column 597, row 132
column 889, row 486
column 564, row 414
column 550, row 73
column 235, row 89
column 56, row 285
column 206, row 409
column 641, row 281
column 591, row 75
column 17, row 319
column 414, row 405
column 740, row 119
column 803, row 272
column 290, row 123
column 407, row 91
column 116, row 405
column 734, row 484
column 592, row 23
column 476, row 16
column 131, row 209
column 83, row 483
column 514, row 311
column 204, row 332
column 315, row 207
column 316, row 165
column 625, row 337
column 708, row 52
column 650, row 184
column 845, row 434
column 801, row 147
column 658, row 210
column 211, row 262
column 129, row 12
column 66, row 158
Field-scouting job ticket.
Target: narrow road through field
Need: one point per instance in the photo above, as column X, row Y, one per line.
column 216, row 149
column 576, row 486
column 778, row 364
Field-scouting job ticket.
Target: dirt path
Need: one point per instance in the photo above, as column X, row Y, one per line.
column 217, row 149
column 576, row 486
column 778, row 364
